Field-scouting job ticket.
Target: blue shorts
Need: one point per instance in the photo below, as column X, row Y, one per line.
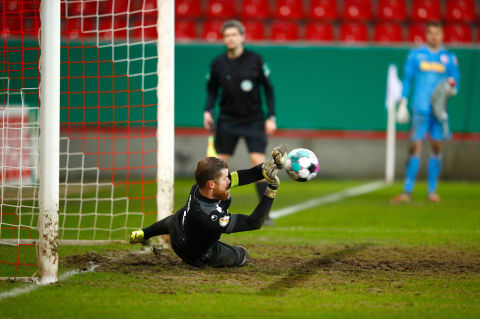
column 423, row 123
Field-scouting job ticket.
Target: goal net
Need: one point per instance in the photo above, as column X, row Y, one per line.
column 108, row 122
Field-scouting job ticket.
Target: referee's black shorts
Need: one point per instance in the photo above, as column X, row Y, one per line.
column 229, row 132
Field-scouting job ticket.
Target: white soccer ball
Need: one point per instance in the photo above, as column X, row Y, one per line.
column 301, row 165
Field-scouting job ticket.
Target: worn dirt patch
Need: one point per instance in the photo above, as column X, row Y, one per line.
column 275, row 269
column 268, row 259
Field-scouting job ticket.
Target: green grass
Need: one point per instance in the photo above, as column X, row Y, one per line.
column 358, row 258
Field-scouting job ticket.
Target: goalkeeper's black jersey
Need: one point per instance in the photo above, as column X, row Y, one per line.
column 199, row 224
column 239, row 80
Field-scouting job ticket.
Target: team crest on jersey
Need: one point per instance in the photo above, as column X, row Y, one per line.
column 444, row 58
column 224, row 221
column 246, row 85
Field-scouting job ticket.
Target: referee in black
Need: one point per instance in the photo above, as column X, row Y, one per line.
column 239, row 73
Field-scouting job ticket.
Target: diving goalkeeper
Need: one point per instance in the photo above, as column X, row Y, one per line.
column 196, row 228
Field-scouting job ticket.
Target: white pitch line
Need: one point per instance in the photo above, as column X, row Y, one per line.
column 377, row 230
column 350, row 192
column 23, row 290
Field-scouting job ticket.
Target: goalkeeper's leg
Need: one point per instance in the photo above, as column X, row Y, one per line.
column 161, row 227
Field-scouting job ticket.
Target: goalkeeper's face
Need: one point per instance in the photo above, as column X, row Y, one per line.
column 232, row 38
column 434, row 36
column 220, row 189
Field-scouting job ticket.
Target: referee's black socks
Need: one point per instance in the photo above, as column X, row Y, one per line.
column 261, row 186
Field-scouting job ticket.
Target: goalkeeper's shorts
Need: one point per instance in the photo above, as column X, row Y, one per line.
column 423, row 124
column 219, row 255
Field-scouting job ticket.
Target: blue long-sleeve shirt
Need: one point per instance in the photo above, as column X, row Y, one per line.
column 424, row 69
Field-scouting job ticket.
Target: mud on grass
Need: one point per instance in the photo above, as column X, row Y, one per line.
column 276, row 269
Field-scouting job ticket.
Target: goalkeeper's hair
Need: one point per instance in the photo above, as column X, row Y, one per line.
column 209, row 168
column 233, row 24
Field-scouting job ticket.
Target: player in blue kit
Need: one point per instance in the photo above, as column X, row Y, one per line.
column 427, row 69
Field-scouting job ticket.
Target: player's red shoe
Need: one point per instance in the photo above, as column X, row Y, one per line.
column 434, row 198
column 400, row 199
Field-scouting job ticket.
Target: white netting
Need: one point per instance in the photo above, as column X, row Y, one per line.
column 108, row 124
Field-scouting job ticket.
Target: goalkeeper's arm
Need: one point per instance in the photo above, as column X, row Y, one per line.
column 246, row 176
column 257, row 217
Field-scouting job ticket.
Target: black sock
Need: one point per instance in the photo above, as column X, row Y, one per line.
column 261, row 186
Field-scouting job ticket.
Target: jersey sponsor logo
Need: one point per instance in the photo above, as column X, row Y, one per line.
column 214, row 218
column 246, row 85
column 444, row 58
column 432, row 66
column 224, row 221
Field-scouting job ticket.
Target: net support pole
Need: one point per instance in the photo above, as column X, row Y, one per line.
column 165, row 109
column 49, row 141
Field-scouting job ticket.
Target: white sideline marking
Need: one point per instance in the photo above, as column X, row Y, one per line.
column 23, row 290
column 350, row 192
column 377, row 230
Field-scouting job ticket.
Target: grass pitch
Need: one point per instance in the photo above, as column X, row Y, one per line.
column 358, row 258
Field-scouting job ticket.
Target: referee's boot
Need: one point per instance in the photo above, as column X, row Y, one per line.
column 269, row 222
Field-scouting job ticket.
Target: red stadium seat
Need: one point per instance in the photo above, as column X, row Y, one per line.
column 113, row 27
column 82, row 9
column 146, row 27
column 255, row 9
column 353, row 32
column 288, row 9
column 316, row 31
column 185, row 30
column 284, row 31
column 113, row 6
column 323, row 10
column 255, row 30
column 426, row 10
column 147, row 6
column 416, row 33
column 188, row 8
column 388, row 33
column 221, row 8
column 478, row 33
column 391, row 10
column 458, row 33
column 77, row 28
column 12, row 24
column 211, row 30
column 460, row 11
column 357, row 10
column 12, row 6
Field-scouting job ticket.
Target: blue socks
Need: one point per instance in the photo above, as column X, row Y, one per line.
column 411, row 174
column 434, row 165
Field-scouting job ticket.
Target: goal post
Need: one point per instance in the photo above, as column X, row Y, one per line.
column 111, row 69
column 49, row 142
column 165, row 110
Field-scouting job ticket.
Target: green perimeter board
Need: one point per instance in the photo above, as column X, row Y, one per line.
column 316, row 87
column 324, row 87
